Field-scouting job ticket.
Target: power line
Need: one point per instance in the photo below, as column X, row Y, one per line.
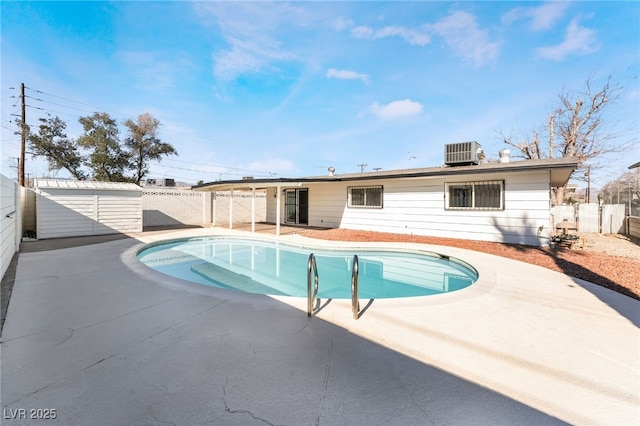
column 218, row 165
column 230, row 170
column 66, row 99
column 62, row 105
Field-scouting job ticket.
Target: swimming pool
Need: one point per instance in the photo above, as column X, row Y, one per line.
column 277, row 268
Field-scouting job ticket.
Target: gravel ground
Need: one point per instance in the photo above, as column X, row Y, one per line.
column 612, row 261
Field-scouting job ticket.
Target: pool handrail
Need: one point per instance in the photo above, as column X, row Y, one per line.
column 355, row 304
column 312, row 289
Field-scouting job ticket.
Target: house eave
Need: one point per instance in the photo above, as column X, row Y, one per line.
column 560, row 171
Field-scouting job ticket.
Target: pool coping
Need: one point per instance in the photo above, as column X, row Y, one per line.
column 130, row 259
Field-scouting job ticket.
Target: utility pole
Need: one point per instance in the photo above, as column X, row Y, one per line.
column 23, row 138
column 552, row 121
column 362, row 166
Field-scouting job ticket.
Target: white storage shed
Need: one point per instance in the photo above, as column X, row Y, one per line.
column 68, row 208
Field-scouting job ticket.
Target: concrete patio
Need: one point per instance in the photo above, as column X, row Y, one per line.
column 103, row 340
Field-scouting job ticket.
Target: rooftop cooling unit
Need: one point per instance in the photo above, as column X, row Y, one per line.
column 161, row 182
column 461, row 154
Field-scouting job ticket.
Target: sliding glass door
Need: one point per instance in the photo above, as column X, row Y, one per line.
column 296, row 206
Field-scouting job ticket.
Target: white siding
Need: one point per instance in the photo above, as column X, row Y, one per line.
column 59, row 216
column 63, row 212
column 417, row 206
column 271, row 205
column 28, row 203
column 120, row 211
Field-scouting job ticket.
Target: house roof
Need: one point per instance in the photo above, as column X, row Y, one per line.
column 560, row 169
column 85, row 184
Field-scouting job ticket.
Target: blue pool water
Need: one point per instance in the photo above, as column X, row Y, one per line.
column 255, row 266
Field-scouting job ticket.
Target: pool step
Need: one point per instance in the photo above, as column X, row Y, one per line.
column 225, row 278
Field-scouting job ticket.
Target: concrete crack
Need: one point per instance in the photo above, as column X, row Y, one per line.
column 231, row 411
column 154, row 417
column 411, row 397
column 325, row 382
column 426, row 414
column 68, row 337
column 114, row 354
column 124, row 315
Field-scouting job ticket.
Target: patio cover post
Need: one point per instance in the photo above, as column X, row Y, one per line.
column 278, row 195
column 253, row 210
column 213, row 208
column 231, row 208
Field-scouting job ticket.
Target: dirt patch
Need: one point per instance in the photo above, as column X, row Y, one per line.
column 611, row 261
column 613, row 244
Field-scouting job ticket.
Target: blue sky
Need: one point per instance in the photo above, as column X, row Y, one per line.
column 289, row 89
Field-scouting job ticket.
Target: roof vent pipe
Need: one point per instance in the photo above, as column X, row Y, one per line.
column 505, row 155
column 331, row 170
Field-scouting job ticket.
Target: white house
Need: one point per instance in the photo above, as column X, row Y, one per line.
column 502, row 202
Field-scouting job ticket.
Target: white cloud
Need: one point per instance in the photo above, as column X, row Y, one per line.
column 578, row 40
column 396, row 109
column 152, row 72
column 244, row 57
column 542, row 17
column 251, row 30
column 461, row 32
column 362, row 32
column 414, row 38
column 347, row 75
column 340, row 24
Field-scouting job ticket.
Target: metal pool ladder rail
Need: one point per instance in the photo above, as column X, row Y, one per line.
column 355, row 304
column 312, row 288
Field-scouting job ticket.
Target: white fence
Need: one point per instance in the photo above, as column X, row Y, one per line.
column 612, row 219
column 608, row 219
column 634, row 226
column 168, row 207
column 160, row 207
column 239, row 206
column 588, row 217
column 10, row 221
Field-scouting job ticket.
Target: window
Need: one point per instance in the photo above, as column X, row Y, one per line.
column 365, row 197
column 482, row 195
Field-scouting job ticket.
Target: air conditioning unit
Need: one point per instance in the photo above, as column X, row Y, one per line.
column 161, row 182
column 462, row 153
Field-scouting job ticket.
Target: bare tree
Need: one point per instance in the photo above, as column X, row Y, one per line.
column 623, row 190
column 575, row 128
